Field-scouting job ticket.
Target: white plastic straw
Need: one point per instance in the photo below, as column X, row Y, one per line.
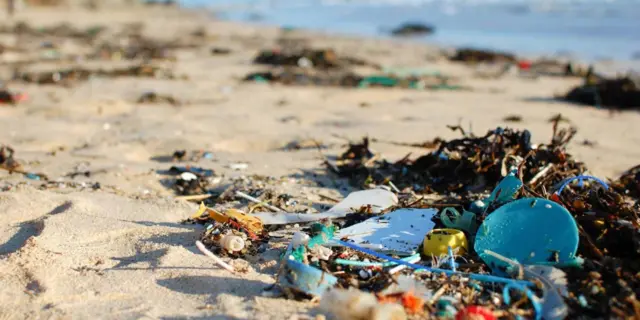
column 215, row 258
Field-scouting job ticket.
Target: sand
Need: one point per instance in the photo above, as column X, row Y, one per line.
column 120, row 252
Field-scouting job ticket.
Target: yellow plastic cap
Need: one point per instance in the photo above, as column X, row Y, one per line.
column 437, row 242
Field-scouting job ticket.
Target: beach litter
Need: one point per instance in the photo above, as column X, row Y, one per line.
column 10, row 164
column 152, row 97
column 322, row 59
column 348, row 79
column 618, row 93
column 10, row 98
column 470, row 55
column 73, row 76
column 488, row 226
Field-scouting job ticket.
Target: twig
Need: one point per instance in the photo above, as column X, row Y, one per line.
column 438, row 293
column 328, row 198
column 262, row 203
column 195, row 197
column 541, row 174
column 215, row 258
column 372, row 160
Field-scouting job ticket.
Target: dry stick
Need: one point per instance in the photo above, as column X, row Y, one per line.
column 328, row 198
column 540, row 174
column 215, row 258
column 262, row 203
column 438, row 293
column 196, row 197
column 372, row 160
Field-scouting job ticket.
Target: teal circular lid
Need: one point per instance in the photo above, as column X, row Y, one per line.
column 530, row 231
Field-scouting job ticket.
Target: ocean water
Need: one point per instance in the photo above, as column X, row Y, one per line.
column 587, row 29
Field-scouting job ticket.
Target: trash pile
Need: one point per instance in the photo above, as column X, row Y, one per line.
column 308, row 58
column 469, row 55
column 619, row 93
column 9, row 98
column 190, row 180
column 350, row 80
column 72, row 76
column 10, row 164
column 485, row 227
column 311, row 67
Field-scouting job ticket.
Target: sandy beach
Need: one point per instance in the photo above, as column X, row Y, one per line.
column 72, row 250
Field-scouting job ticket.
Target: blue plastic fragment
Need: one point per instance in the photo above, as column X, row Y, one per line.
column 305, row 278
column 530, row 231
column 580, row 180
column 32, row 176
column 535, row 301
column 583, row 301
column 474, row 276
column 505, row 191
column 452, row 261
column 445, row 307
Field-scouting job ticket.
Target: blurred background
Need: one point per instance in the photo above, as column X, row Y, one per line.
column 586, row 29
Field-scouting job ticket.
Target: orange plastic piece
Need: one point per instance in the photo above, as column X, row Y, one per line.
column 252, row 224
column 411, row 303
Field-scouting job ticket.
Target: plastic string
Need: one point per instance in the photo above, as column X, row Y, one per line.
column 581, row 181
column 385, row 264
column 474, row 276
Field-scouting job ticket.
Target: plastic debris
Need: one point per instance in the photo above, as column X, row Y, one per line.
column 475, row 313
column 299, row 277
column 621, row 93
column 215, row 258
column 353, row 304
column 397, row 232
column 251, row 223
column 7, row 97
column 232, row 243
column 438, row 241
column 465, row 221
column 529, row 230
column 374, row 200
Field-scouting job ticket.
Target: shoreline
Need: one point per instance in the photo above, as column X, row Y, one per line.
column 450, row 30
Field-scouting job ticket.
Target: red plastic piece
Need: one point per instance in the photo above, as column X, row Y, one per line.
column 524, row 65
column 471, row 313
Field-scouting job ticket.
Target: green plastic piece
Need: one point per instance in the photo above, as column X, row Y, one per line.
column 260, row 79
column 322, row 235
column 465, row 221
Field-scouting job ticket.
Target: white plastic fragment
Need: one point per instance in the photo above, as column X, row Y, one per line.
column 398, row 232
column 354, row 304
column 379, row 199
column 299, row 238
column 232, row 243
column 554, row 282
column 320, row 252
column 188, row 176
